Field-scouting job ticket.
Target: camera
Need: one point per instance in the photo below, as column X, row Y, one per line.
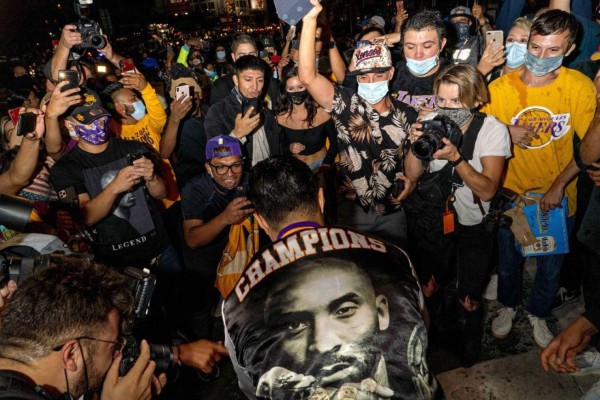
column 434, row 130
column 142, row 284
column 91, row 32
column 19, row 269
column 495, row 217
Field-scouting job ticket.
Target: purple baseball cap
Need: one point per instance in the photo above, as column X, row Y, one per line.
column 223, row 146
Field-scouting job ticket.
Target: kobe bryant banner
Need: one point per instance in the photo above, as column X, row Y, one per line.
column 329, row 313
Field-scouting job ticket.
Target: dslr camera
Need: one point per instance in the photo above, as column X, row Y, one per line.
column 142, row 284
column 91, row 32
column 495, row 217
column 434, row 130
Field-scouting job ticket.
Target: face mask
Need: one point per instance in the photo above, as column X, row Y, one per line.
column 542, row 66
column 462, row 31
column 459, row 115
column 374, row 92
column 210, row 74
column 515, row 54
column 423, row 66
column 297, row 97
column 96, row 134
column 139, row 110
column 221, row 54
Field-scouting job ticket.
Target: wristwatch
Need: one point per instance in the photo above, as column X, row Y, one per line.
column 457, row 161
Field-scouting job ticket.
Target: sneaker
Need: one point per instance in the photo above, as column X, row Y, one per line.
column 541, row 333
column 564, row 297
column 491, row 290
column 502, row 324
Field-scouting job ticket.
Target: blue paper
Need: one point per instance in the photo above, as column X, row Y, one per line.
column 550, row 229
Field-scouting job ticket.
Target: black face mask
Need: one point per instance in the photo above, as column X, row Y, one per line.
column 462, row 31
column 297, row 97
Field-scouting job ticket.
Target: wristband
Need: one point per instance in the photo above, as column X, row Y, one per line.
column 457, row 161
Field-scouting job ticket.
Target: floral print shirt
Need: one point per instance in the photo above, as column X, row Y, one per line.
column 371, row 149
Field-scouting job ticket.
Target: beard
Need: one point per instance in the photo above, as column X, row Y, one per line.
column 93, row 383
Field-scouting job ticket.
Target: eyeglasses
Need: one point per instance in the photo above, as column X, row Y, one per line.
column 117, row 346
column 224, row 169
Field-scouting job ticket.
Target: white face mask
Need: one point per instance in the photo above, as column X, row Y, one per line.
column 373, row 92
column 421, row 67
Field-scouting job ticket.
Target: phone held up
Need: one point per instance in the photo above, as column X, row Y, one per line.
column 256, row 104
column 127, row 66
column 26, row 123
column 70, row 76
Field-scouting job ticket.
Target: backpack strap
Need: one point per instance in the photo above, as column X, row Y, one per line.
column 467, row 146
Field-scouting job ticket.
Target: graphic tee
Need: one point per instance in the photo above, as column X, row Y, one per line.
column 556, row 112
column 133, row 233
column 329, row 313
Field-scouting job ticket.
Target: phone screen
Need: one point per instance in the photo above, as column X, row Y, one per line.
column 26, row 123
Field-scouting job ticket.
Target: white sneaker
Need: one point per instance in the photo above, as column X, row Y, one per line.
column 541, row 333
column 502, row 324
column 491, row 290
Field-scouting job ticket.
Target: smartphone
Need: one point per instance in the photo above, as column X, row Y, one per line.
column 69, row 75
column 399, row 6
column 134, row 156
column 255, row 103
column 14, row 115
column 26, row 123
column 494, row 37
column 183, row 91
column 127, row 66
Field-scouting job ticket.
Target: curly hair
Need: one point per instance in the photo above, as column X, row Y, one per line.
column 60, row 303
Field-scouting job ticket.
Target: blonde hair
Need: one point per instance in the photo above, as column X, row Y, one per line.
column 522, row 23
column 471, row 85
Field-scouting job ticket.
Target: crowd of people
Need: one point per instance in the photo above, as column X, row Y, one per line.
column 404, row 136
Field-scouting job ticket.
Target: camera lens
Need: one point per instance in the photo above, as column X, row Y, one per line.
column 97, row 41
column 163, row 356
column 424, row 147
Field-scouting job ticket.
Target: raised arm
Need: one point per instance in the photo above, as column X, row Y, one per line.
column 317, row 85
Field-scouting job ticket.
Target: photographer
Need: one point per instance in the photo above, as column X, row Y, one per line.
column 59, row 338
column 467, row 175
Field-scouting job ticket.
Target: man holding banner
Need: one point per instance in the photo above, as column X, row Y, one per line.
column 545, row 105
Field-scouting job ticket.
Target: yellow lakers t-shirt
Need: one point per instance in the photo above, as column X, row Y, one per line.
column 555, row 112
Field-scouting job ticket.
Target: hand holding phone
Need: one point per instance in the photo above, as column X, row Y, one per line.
column 183, row 91
column 496, row 38
column 70, row 76
column 127, row 66
column 254, row 103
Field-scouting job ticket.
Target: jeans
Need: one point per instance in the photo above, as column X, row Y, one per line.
column 510, row 276
column 168, row 261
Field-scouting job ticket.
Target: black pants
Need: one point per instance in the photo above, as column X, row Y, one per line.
column 474, row 250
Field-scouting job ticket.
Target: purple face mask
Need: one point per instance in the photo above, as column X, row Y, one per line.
column 94, row 133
